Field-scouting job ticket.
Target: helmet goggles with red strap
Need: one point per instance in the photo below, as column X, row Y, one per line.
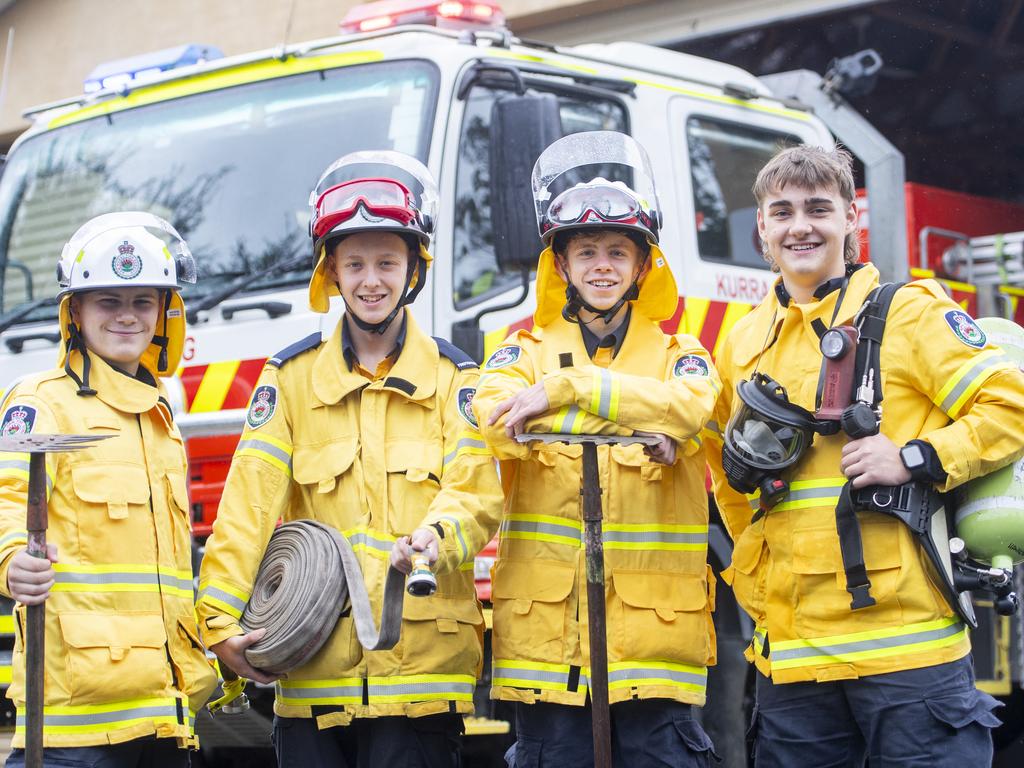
column 383, row 198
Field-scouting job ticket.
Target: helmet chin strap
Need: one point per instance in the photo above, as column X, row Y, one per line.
column 75, row 341
column 419, row 269
column 574, row 302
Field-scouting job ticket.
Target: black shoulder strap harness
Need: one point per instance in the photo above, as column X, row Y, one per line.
column 294, row 350
column 459, row 359
column 871, row 323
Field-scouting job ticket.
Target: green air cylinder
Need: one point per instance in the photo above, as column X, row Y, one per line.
column 990, row 517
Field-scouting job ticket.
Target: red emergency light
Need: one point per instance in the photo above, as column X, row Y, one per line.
column 458, row 14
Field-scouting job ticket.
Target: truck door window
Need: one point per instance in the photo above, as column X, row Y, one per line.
column 724, row 160
column 476, row 271
column 230, row 168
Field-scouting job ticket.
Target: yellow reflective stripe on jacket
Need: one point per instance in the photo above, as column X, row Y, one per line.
column 604, row 398
column 308, row 693
column 872, row 644
column 806, row 494
column 538, row 675
column 404, row 688
column 228, row 598
column 649, row 536
column 13, row 539
column 712, row 431
column 633, row 536
column 760, row 633
column 633, row 674
column 275, row 452
column 370, row 540
column 555, row 530
column 468, row 443
column 968, row 379
column 122, row 578
column 17, row 465
column 568, row 420
column 463, row 549
column 100, row 718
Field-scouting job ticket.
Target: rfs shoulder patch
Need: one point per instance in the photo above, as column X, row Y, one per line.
column 504, row 356
column 19, row 420
column 690, row 365
column 262, row 407
column 465, row 401
column 965, row 329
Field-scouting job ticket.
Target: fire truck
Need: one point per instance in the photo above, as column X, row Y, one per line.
column 227, row 149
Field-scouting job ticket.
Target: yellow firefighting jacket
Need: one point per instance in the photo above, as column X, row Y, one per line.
column 123, row 658
column 941, row 384
column 659, row 590
column 375, row 460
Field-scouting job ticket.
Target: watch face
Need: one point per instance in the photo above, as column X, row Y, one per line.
column 912, row 455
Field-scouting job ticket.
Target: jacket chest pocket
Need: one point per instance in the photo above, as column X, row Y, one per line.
column 414, row 479
column 823, row 604
column 637, row 483
column 112, row 500
column 114, row 657
column 532, row 614
column 661, row 615
column 330, row 480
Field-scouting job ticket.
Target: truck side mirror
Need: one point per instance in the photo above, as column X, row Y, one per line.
column 522, row 126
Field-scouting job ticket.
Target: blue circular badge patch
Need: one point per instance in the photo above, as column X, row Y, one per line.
column 126, row 264
column 19, row 420
column 261, row 409
column 466, row 406
column 504, row 356
column 965, row 329
column 690, row 365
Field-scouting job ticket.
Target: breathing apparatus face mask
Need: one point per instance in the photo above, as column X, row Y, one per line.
column 767, row 435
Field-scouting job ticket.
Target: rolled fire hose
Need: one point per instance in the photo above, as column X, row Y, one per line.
column 308, row 573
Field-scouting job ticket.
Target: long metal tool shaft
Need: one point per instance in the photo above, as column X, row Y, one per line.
column 594, row 549
column 35, row 650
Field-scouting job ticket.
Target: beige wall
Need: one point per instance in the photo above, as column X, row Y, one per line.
column 58, row 42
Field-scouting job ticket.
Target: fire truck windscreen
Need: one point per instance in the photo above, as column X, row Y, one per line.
column 231, row 169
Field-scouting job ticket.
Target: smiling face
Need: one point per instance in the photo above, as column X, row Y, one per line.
column 370, row 269
column 804, row 231
column 117, row 323
column 601, row 266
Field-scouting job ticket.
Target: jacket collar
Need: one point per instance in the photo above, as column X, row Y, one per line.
column 412, row 375
column 117, row 389
column 563, row 345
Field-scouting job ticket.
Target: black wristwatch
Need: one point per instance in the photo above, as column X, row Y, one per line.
column 913, row 459
column 922, row 462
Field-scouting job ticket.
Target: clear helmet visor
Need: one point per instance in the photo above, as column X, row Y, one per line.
column 184, row 262
column 764, row 443
column 421, row 193
column 604, row 148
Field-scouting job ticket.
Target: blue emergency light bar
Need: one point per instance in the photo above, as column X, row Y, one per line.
column 138, row 69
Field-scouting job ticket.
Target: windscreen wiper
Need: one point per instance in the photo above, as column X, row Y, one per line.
column 23, row 311
column 229, row 290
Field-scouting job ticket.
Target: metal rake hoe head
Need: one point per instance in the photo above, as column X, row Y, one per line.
column 564, row 437
column 48, row 443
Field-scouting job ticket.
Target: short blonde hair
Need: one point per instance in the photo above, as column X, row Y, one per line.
column 811, row 168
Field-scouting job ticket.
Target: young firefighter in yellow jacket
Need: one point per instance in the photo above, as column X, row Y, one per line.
column 124, row 669
column 369, row 432
column 599, row 363
column 893, row 681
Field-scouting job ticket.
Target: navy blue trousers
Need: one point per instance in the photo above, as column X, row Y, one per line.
column 648, row 733
column 434, row 741
column 138, row 753
column 932, row 717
